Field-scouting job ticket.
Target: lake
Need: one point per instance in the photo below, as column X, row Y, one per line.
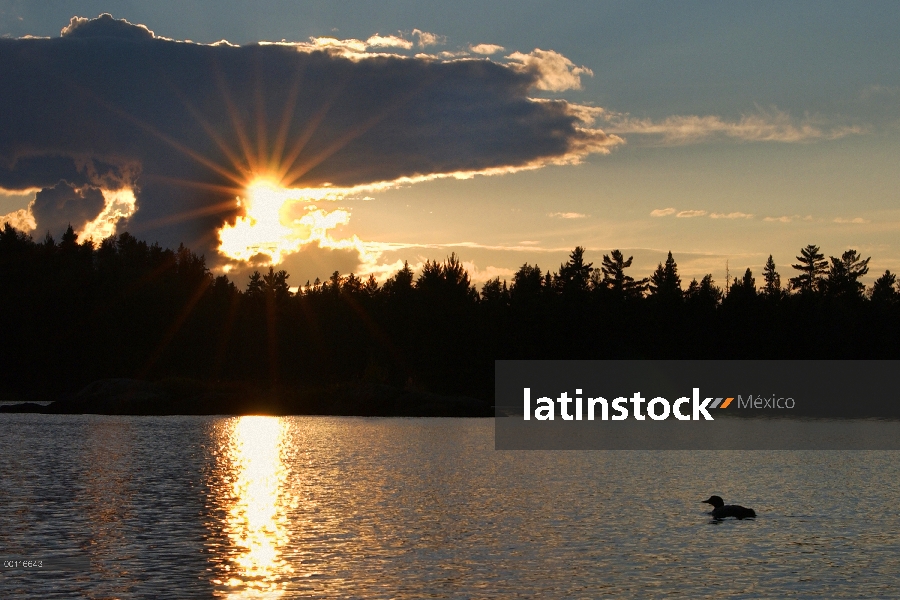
column 267, row 507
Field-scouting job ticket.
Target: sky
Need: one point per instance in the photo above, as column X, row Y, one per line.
column 366, row 134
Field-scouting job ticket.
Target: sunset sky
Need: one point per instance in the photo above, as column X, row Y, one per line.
column 507, row 132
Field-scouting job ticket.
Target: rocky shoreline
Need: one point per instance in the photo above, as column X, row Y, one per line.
column 185, row 397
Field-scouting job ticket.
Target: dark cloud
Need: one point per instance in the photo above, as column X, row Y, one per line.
column 110, row 105
column 57, row 207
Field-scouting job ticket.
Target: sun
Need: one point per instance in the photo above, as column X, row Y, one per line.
column 278, row 221
column 263, row 227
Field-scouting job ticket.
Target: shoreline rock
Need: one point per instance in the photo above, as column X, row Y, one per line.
column 187, row 397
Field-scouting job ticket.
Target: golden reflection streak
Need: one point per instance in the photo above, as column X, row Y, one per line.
column 257, row 519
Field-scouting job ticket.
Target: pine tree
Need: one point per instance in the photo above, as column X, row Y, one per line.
column 448, row 279
column 812, row 266
column 69, row 241
column 455, row 274
column 844, row 274
column 708, row 291
column 273, row 283
column 574, row 276
column 256, row 285
column 692, row 290
column 743, row 289
column 401, row 283
column 528, row 278
column 334, row 283
column 371, row 288
column 884, row 290
column 772, row 287
column 665, row 283
column 352, row 285
column 615, row 279
column 494, row 292
column 705, row 293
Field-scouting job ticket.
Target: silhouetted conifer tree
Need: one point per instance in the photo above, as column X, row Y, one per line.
column 884, row 291
column 334, row 283
column 708, row 293
column 69, row 240
column 527, row 282
column 844, row 274
column 448, row 279
column 495, row 292
column 745, row 287
column 703, row 293
column 256, row 285
column 457, row 278
column 275, row 284
column 401, row 283
column 812, row 266
column 692, row 289
column 772, row 288
column 665, row 284
column 371, row 288
column 615, row 279
column 574, row 276
column 352, row 285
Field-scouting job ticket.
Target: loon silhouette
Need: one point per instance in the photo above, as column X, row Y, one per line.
column 721, row 510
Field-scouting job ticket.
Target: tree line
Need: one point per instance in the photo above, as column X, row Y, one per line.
column 77, row 312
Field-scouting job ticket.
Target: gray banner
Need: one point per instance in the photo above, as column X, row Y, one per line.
column 702, row 405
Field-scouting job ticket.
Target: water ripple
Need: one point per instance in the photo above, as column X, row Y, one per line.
column 298, row 507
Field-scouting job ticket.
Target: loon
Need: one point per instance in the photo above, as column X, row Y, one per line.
column 721, row 510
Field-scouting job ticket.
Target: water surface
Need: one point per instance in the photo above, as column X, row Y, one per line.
column 288, row 507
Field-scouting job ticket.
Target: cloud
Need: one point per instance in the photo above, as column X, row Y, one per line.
column 788, row 219
column 348, row 48
column 486, row 49
column 685, row 214
column 522, row 247
column 105, row 26
column 92, row 212
column 428, row 39
column 309, row 262
column 447, row 55
column 855, row 221
column 765, row 126
column 879, row 91
column 553, row 71
column 567, row 215
column 184, row 127
column 388, row 41
column 57, row 207
column 21, row 219
column 731, row 215
column 478, row 276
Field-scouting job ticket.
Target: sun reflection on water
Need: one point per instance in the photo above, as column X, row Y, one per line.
column 256, row 519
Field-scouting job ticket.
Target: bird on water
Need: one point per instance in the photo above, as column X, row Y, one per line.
column 722, row 511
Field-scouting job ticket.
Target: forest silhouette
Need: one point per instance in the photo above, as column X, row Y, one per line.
column 77, row 312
